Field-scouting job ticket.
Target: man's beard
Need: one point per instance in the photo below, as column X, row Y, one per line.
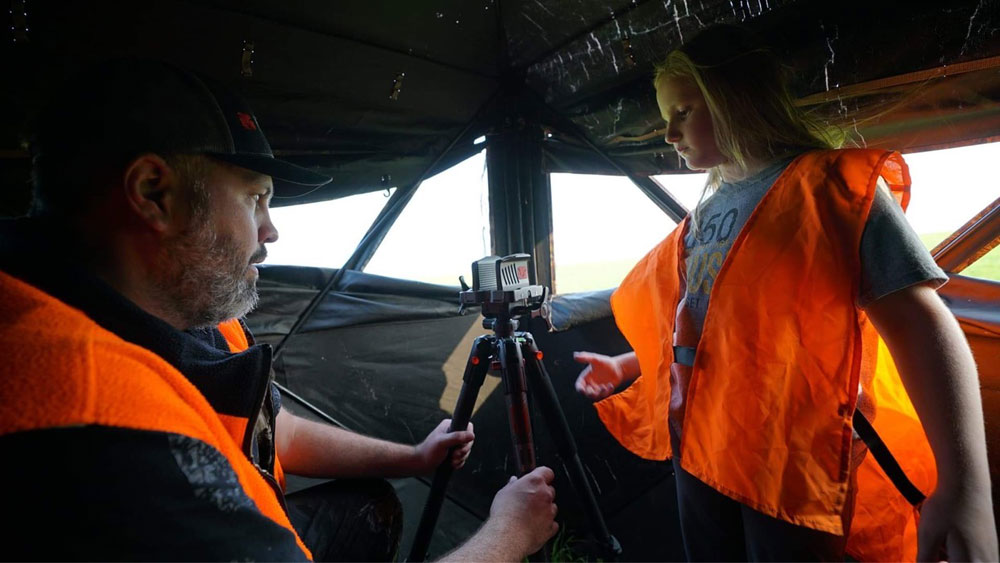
column 208, row 280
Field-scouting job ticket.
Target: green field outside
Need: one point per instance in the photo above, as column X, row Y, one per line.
column 602, row 275
column 571, row 278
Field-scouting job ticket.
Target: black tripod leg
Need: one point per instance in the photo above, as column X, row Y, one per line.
column 516, row 392
column 475, row 372
column 518, row 413
column 548, row 403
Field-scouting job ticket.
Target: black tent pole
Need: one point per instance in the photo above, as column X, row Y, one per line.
column 649, row 186
column 378, row 229
column 315, row 410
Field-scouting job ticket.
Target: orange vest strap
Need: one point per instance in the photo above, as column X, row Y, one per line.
column 886, row 460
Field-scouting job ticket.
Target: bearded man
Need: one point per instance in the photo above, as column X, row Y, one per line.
column 139, row 419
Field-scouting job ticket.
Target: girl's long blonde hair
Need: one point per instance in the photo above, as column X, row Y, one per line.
column 754, row 116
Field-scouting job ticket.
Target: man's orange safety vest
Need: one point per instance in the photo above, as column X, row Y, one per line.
column 238, row 340
column 782, row 353
column 97, row 378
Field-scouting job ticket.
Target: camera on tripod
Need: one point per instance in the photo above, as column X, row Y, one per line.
column 503, row 287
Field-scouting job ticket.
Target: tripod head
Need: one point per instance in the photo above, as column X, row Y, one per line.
column 503, row 288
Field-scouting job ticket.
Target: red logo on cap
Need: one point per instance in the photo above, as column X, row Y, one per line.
column 246, row 120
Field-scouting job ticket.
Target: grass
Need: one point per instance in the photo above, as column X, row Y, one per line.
column 590, row 276
column 987, row 267
column 564, row 548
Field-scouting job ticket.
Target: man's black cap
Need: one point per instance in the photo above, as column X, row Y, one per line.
column 131, row 107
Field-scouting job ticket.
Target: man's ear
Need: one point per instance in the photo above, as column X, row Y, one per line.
column 153, row 191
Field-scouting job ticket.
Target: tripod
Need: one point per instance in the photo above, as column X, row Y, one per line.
column 518, row 360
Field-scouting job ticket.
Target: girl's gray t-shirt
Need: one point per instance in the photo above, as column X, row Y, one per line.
column 892, row 255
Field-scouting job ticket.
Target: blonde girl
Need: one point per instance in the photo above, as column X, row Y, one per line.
column 755, row 327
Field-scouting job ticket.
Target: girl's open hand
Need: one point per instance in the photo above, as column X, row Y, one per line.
column 600, row 377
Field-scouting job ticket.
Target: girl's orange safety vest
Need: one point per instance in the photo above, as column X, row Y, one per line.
column 783, row 351
column 98, row 378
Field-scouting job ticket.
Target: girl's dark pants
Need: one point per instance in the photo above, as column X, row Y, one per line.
column 718, row 528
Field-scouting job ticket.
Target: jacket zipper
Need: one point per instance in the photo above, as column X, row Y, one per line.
column 261, row 392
